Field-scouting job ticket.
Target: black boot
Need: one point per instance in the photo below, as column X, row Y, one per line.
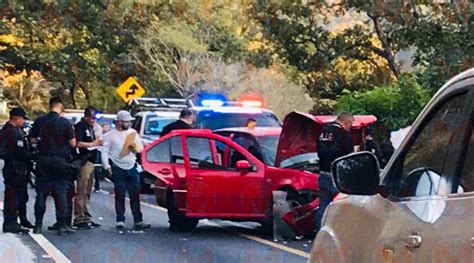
column 14, row 228
column 38, row 228
column 25, row 223
column 54, row 227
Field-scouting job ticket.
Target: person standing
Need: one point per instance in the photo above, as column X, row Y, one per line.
column 16, row 155
column 99, row 171
column 186, row 119
column 119, row 151
column 55, row 138
column 333, row 142
column 87, row 142
column 371, row 145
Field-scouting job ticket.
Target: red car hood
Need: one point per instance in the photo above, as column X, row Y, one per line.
column 300, row 131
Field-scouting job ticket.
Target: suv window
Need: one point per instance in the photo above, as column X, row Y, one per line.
column 421, row 170
column 154, row 124
column 467, row 176
column 160, row 153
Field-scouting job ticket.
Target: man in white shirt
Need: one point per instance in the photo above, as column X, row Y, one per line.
column 119, row 160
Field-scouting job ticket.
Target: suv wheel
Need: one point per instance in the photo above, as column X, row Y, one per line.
column 178, row 220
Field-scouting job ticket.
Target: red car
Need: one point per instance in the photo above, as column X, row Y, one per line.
column 201, row 174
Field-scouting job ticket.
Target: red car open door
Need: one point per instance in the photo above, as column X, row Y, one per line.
column 216, row 185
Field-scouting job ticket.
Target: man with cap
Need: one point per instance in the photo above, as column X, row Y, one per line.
column 14, row 151
column 55, row 173
column 186, row 119
column 119, row 159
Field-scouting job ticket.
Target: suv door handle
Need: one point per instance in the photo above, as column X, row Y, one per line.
column 198, row 178
column 413, row 241
column 165, row 171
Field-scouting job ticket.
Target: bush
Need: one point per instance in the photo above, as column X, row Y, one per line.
column 395, row 105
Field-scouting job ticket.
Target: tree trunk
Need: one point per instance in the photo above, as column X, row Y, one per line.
column 387, row 51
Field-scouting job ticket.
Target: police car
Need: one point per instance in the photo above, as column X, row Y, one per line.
column 152, row 114
column 215, row 112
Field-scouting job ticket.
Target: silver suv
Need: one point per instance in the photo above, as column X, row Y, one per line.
column 421, row 207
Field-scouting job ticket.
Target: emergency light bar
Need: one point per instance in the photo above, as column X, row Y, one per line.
column 219, row 100
column 150, row 104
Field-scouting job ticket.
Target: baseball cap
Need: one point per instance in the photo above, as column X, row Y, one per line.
column 18, row 112
column 124, row 115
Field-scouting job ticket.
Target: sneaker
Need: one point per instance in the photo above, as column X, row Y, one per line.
column 82, row 225
column 120, row 225
column 65, row 230
column 141, row 225
column 94, row 224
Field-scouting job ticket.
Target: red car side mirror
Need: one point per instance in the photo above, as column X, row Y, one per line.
column 243, row 165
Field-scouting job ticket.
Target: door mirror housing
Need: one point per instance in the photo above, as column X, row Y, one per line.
column 243, row 165
column 357, row 174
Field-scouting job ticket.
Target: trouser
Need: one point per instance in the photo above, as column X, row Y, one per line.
column 98, row 173
column 326, row 192
column 127, row 181
column 83, row 194
column 60, row 189
column 15, row 199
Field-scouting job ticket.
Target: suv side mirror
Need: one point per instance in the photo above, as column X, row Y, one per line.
column 357, row 174
column 243, row 165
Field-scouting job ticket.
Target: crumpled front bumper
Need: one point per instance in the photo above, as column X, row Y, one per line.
column 302, row 219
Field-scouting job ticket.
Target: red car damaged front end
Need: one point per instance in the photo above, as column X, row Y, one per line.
column 297, row 150
column 301, row 218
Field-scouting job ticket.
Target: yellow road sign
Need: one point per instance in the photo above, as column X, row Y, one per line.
column 130, row 89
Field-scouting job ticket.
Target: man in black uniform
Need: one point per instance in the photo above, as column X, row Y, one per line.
column 186, row 119
column 54, row 174
column 15, row 153
column 333, row 142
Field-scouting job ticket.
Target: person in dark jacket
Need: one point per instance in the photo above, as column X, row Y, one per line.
column 333, row 142
column 186, row 119
column 16, row 155
column 371, row 144
column 87, row 143
column 55, row 174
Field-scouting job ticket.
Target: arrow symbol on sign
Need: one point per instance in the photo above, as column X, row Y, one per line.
column 131, row 91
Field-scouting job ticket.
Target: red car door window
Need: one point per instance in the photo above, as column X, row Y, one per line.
column 160, row 153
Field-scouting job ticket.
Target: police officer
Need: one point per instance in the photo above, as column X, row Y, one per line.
column 333, row 142
column 87, row 142
column 15, row 153
column 54, row 175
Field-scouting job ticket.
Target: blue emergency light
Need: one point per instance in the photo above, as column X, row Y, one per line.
column 212, row 100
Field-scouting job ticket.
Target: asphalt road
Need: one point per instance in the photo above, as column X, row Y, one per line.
column 211, row 241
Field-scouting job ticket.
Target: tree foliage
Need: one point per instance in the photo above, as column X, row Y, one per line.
column 395, row 105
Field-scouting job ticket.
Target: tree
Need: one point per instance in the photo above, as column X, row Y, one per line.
column 395, row 105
